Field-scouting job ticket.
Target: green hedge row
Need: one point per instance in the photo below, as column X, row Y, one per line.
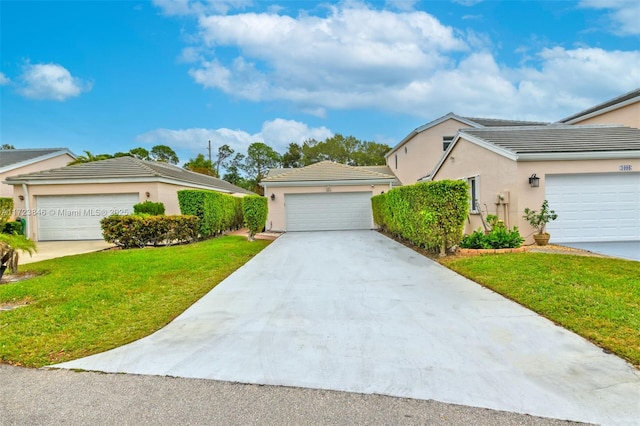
column 6, row 209
column 217, row 212
column 140, row 230
column 429, row 215
column 149, row 207
column 254, row 209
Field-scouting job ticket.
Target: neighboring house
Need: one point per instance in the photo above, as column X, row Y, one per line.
column 590, row 175
column 67, row 203
column 415, row 156
column 624, row 110
column 20, row 161
column 324, row 196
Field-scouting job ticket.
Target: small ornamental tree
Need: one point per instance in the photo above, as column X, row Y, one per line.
column 254, row 209
column 539, row 219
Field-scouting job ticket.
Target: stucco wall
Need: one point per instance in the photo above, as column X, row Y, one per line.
column 51, row 163
column 500, row 175
column 628, row 115
column 276, row 219
column 423, row 152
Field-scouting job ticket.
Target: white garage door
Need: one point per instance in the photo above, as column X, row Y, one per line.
column 331, row 211
column 594, row 207
column 77, row 217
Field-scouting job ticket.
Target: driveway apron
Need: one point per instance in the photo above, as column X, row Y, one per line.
column 355, row 311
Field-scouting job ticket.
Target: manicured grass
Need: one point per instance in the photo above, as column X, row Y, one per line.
column 597, row 298
column 90, row 303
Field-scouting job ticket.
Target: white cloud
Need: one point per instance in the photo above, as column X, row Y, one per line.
column 4, row 79
column 190, row 7
column 50, row 81
column 277, row 133
column 624, row 14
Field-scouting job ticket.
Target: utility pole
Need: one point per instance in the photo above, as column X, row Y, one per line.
column 210, row 152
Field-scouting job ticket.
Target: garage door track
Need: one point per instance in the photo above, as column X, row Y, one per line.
column 358, row 312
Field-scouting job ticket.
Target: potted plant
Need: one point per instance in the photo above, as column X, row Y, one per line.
column 539, row 220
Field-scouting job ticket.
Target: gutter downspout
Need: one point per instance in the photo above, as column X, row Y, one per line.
column 27, row 222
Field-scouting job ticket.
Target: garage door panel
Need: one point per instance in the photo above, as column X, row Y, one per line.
column 328, row 211
column 594, row 207
column 77, row 217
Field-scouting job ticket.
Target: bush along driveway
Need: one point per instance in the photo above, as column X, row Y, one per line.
column 358, row 312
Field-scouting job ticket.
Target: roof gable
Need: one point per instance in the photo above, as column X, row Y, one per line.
column 612, row 104
column 127, row 168
column 325, row 171
column 11, row 159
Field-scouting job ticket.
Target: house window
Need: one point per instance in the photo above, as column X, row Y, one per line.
column 396, row 161
column 474, row 192
column 446, row 141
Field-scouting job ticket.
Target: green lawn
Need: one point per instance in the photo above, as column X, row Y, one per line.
column 90, row 303
column 598, row 298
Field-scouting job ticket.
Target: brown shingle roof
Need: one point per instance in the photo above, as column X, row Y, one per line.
column 326, row 171
column 123, row 168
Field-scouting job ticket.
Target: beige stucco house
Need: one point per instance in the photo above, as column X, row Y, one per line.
column 415, row 156
column 324, row 196
column 589, row 173
column 67, row 203
column 624, row 110
column 21, row 161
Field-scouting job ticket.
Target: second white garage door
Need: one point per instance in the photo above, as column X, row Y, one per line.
column 332, row 211
column 77, row 217
column 594, row 207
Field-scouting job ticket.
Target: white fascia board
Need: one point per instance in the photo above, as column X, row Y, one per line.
column 591, row 155
column 329, row 182
column 602, row 111
column 36, row 160
column 115, row 180
column 429, row 125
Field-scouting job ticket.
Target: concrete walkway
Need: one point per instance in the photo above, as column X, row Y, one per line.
column 54, row 249
column 358, row 312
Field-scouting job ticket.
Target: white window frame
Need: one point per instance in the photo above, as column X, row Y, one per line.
column 474, row 193
column 446, row 142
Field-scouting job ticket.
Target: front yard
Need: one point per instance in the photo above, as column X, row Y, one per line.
column 85, row 304
column 597, row 298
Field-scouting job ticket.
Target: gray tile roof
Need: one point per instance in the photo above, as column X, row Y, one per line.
column 560, row 138
column 498, row 122
column 10, row 157
column 612, row 102
column 325, row 171
column 123, row 168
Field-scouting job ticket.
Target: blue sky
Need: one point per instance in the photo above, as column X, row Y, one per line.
column 108, row 76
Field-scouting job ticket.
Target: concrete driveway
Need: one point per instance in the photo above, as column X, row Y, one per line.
column 54, row 249
column 358, row 312
column 624, row 249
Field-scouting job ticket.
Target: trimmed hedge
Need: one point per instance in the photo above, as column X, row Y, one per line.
column 6, row 210
column 254, row 208
column 217, row 212
column 130, row 231
column 429, row 215
column 149, row 207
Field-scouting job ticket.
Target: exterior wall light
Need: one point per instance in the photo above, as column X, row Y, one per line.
column 273, row 197
column 534, row 181
column 148, row 194
column 21, row 197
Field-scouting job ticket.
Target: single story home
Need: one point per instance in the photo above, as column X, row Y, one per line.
column 589, row 173
column 21, row 161
column 324, row 196
column 67, row 203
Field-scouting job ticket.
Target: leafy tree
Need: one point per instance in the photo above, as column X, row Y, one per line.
column 122, row 154
column 293, row 157
column 234, row 168
column 224, row 152
column 88, row 157
column 140, row 153
column 260, row 158
column 164, row 154
column 7, row 146
column 200, row 165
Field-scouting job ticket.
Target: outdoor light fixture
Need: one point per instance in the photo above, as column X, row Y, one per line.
column 148, row 194
column 534, row 181
column 21, row 197
column 273, row 197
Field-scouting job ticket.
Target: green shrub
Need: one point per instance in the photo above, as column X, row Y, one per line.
column 217, row 212
column 429, row 215
column 6, row 210
column 149, row 207
column 499, row 237
column 141, row 230
column 13, row 228
column 254, row 209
